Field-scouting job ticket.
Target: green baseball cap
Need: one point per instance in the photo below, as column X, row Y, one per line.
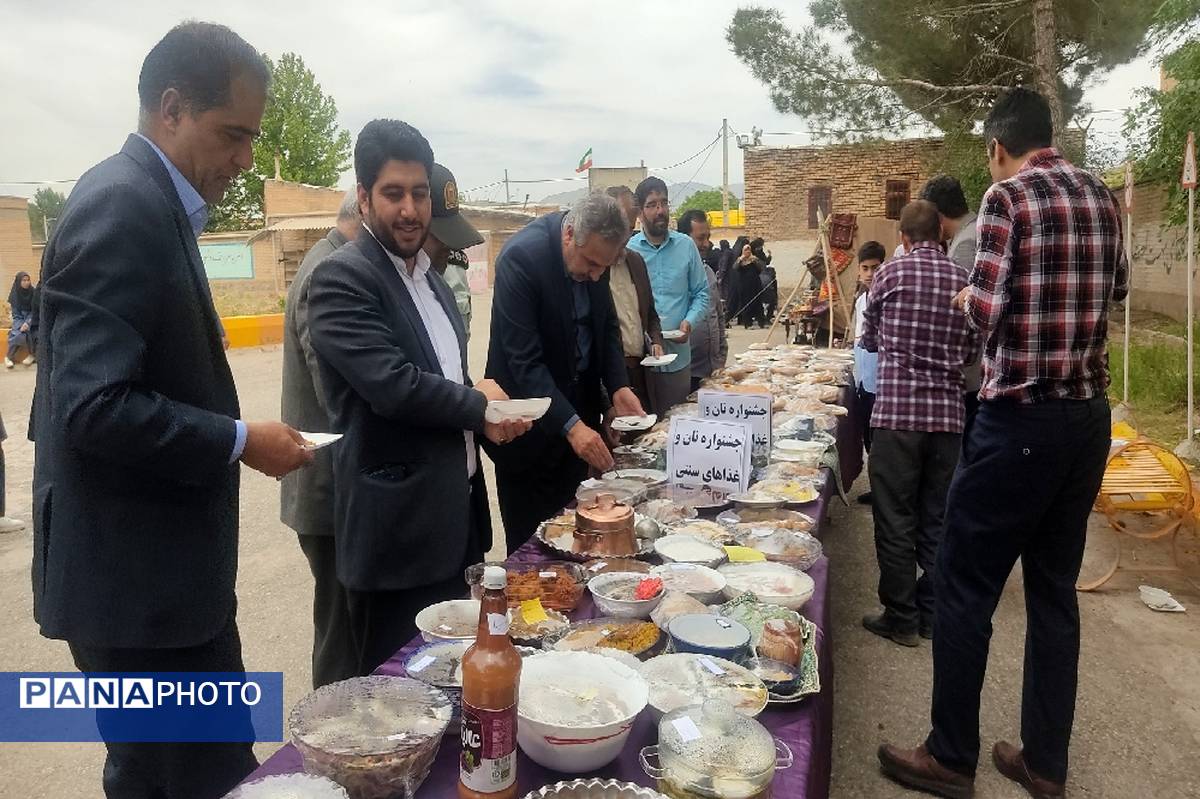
column 448, row 225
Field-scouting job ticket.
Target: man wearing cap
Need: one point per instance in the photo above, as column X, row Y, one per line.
column 450, row 234
column 306, row 495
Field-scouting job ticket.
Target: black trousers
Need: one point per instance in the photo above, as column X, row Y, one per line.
column 866, row 403
column 910, row 475
column 172, row 770
column 382, row 622
column 333, row 655
column 530, row 496
column 1024, row 488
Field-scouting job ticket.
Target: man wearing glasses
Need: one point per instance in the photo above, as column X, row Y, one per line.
column 680, row 290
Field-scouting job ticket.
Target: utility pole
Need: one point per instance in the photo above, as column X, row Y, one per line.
column 725, row 173
column 507, row 196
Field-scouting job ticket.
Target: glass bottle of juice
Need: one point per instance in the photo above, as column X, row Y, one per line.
column 491, row 674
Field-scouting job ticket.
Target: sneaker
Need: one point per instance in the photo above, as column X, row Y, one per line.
column 11, row 525
column 8, row 364
column 883, row 627
column 30, row 361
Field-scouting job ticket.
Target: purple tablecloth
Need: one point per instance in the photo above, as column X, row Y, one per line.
column 806, row 728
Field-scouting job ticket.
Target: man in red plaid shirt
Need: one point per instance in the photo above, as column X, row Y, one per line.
column 1049, row 262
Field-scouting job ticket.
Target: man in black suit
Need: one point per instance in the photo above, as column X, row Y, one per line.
column 410, row 506
column 555, row 334
column 136, row 420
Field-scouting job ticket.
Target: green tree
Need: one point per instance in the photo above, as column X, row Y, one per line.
column 1157, row 126
column 300, row 127
column 707, row 200
column 44, row 210
column 939, row 62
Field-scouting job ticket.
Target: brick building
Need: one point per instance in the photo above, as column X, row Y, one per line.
column 786, row 185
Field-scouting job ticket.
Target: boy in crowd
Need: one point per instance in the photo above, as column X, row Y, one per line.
column 870, row 256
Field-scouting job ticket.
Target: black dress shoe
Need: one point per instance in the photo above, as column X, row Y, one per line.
column 883, row 627
column 864, row 499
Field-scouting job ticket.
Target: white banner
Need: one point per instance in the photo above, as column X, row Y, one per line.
column 709, row 452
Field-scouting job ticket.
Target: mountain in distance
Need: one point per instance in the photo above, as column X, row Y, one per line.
column 678, row 192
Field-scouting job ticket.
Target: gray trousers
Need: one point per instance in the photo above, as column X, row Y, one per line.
column 910, row 477
column 668, row 389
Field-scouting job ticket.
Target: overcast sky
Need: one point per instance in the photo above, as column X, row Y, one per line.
column 526, row 86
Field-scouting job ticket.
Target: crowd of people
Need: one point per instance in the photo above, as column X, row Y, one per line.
column 980, row 365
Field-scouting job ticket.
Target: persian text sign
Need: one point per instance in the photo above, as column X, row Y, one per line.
column 709, row 452
column 733, row 406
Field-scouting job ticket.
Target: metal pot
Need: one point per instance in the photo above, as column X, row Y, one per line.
column 604, row 526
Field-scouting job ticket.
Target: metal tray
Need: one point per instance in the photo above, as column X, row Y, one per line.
column 645, row 547
column 594, row 788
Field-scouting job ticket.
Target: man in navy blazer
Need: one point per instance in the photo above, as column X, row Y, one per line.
column 136, row 422
column 555, row 334
column 410, row 506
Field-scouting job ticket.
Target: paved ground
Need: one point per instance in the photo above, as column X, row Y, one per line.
column 1137, row 728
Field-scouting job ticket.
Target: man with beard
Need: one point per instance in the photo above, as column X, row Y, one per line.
column 410, row 506
column 681, row 294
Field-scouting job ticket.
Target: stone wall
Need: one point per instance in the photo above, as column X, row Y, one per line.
column 1159, row 255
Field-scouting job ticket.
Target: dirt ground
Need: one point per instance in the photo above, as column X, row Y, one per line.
column 1137, row 727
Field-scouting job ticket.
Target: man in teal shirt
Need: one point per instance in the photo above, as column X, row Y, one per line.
column 680, row 290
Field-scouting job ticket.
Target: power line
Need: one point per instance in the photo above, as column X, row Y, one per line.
column 706, row 148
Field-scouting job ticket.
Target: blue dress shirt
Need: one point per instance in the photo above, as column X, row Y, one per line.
column 197, row 213
column 679, row 285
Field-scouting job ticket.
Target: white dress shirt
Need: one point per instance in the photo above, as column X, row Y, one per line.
column 439, row 329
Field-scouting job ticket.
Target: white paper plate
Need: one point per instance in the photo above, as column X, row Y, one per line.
column 315, row 441
column 511, row 410
column 630, row 424
column 749, row 500
column 673, row 335
column 660, row 360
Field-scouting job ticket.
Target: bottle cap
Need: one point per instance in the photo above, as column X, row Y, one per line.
column 495, row 577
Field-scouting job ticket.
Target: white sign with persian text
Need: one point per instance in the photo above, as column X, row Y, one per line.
column 734, row 406
column 709, row 452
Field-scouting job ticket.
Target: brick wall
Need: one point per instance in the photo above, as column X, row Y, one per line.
column 778, row 180
column 16, row 248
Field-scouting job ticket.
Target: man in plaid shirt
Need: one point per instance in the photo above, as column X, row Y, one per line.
column 916, row 424
column 1049, row 262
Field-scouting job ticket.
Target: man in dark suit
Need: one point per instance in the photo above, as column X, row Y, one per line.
column 306, row 496
column 136, row 420
column 410, row 507
column 555, row 334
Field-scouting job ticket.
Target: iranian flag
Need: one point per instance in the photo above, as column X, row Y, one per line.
column 585, row 163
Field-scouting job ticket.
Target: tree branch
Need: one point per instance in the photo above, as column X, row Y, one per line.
column 973, row 88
